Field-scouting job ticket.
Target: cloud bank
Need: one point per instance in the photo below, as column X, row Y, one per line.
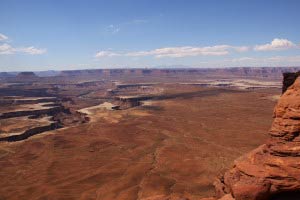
column 105, row 54
column 178, row 52
column 3, row 37
column 217, row 50
column 6, row 49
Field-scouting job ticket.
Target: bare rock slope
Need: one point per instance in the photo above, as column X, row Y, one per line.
column 271, row 171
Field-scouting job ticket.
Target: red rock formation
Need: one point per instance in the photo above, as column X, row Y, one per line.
column 274, row 167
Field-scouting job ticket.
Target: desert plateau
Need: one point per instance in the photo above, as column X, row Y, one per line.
column 107, row 135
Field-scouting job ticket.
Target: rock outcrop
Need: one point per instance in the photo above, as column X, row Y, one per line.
column 129, row 102
column 6, row 75
column 271, row 171
column 288, row 80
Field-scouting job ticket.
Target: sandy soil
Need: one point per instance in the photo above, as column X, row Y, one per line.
column 172, row 147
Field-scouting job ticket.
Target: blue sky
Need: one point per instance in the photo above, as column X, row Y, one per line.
column 78, row 34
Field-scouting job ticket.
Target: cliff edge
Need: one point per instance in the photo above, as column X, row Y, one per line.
column 271, row 171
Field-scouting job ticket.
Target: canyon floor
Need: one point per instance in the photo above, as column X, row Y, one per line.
column 171, row 146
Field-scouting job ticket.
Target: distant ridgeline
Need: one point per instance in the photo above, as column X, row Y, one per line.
column 258, row 72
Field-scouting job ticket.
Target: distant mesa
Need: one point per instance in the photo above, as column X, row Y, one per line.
column 27, row 75
column 6, row 75
column 48, row 73
column 86, row 72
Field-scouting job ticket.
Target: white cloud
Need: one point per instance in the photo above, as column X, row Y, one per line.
column 241, row 49
column 105, row 54
column 179, row 52
column 6, row 49
column 113, row 28
column 276, row 44
column 243, row 59
column 3, row 37
column 31, row 50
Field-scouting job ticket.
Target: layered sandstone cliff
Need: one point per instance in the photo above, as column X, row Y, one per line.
column 271, row 171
